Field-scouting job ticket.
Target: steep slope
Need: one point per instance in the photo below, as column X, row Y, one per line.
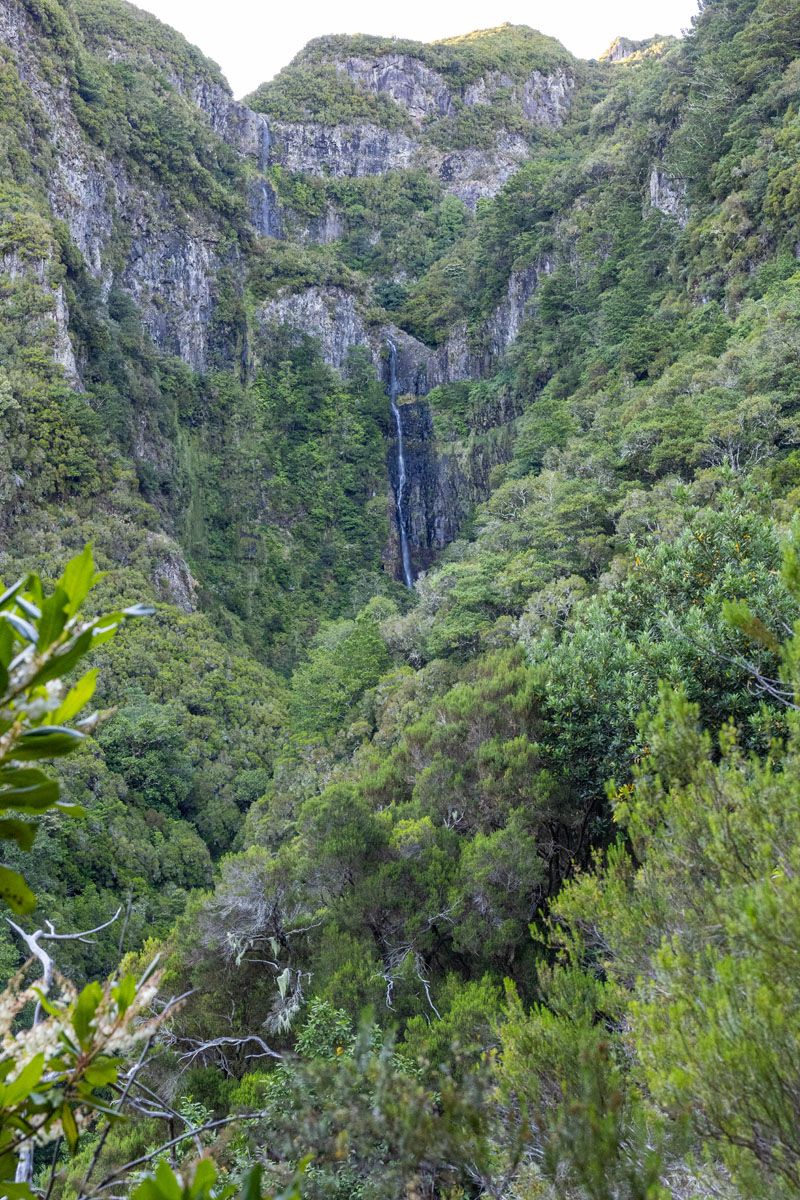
column 425, row 811
column 645, row 395
column 579, row 282
column 464, row 110
column 163, row 400
column 164, row 185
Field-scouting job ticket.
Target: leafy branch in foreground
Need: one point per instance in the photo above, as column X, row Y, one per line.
column 61, row 1070
column 42, row 639
column 54, row 1074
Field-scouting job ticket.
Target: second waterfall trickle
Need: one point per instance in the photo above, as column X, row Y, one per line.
column 400, row 493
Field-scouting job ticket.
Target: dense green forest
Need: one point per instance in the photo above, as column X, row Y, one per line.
column 484, row 887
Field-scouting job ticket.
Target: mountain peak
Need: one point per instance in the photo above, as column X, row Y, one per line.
column 624, row 49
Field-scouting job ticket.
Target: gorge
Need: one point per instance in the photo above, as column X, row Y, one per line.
column 408, row 455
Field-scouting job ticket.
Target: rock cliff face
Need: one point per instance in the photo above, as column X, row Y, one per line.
column 128, row 234
column 463, row 357
column 668, row 195
column 328, row 314
column 423, row 93
column 131, row 236
column 80, row 186
column 471, row 173
column 546, row 99
column 444, row 482
column 170, row 274
column 63, row 351
column 344, row 151
column 356, row 151
column 325, row 229
column 14, row 268
column 172, row 576
column 622, row 49
column 419, row 90
column 265, row 210
column 333, row 316
column 475, row 175
column 134, row 235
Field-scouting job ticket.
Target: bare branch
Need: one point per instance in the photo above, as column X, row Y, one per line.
column 83, row 936
column 145, row 1158
column 214, row 1048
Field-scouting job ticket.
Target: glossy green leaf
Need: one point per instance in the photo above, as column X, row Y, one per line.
column 9, row 594
column 49, row 741
column 28, row 607
column 69, row 1126
column 18, row 1191
column 51, row 1009
column 53, row 618
column 27, row 789
column 84, row 1011
column 20, row 626
column 15, row 892
column 251, row 1185
column 62, row 662
column 168, row 1187
column 77, row 697
column 21, row 832
column 24, row 1084
column 102, row 1072
column 104, row 630
column 71, row 810
column 124, row 993
column 6, row 653
column 205, row 1176
column 79, row 575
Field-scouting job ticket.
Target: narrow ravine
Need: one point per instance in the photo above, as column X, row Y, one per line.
column 405, row 555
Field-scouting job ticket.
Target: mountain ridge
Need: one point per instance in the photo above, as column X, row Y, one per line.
column 573, row 289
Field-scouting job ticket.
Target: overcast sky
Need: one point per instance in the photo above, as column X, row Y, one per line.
column 251, row 40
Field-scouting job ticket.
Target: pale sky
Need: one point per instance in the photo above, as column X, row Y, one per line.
column 252, row 40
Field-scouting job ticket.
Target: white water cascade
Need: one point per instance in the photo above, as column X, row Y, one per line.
column 405, row 554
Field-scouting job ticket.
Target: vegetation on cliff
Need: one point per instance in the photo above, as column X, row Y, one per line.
column 490, row 887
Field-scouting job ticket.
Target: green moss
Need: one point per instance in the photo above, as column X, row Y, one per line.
column 24, row 230
column 319, row 92
column 285, row 266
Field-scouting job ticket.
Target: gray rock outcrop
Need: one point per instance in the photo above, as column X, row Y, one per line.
column 344, row 151
column 333, row 316
column 265, row 210
column 445, row 480
column 424, row 93
column 620, row 49
column 131, row 235
column 14, row 267
column 668, row 195
column 419, row 90
column 475, row 175
column 330, row 315
column 167, row 268
column 546, row 99
column 170, row 274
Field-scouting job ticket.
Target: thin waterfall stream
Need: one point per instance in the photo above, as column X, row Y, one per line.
column 405, row 554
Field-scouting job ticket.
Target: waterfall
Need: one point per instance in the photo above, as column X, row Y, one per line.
column 405, row 555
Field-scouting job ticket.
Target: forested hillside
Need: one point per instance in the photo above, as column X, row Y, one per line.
column 482, row 886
